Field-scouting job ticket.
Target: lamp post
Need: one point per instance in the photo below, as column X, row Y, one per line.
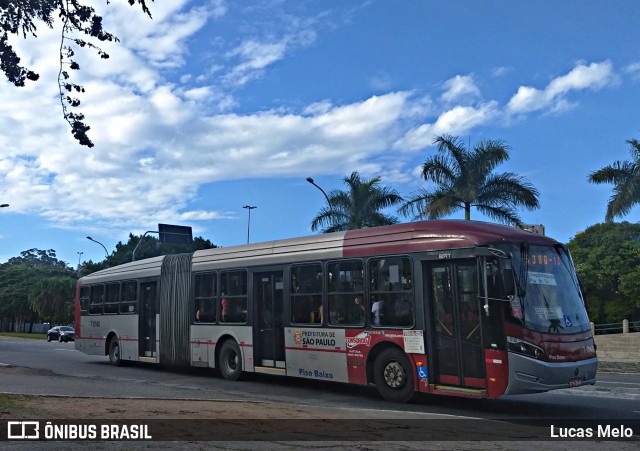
column 105, row 249
column 79, row 258
column 310, row 180
column 249, row 207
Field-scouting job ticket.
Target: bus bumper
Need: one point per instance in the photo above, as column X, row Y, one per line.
column 528, row 375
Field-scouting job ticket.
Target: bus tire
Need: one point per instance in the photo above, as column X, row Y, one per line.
column 230, row 360
column 114, row 352
column 393, row 375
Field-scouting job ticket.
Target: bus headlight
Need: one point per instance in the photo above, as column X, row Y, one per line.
column 525, row 348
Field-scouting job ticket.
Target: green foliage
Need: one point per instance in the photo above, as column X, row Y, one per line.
column 36, row 286
column 20, row 18
column 357, row 207
column 607, row 260
column 464, row 178
column 625, row 176
column 38, row 336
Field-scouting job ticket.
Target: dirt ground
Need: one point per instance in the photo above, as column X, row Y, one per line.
column 48, row 407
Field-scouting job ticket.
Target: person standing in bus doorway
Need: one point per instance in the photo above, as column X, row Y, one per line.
column 376, row 312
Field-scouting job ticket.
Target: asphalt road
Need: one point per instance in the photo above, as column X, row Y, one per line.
column 71, row 373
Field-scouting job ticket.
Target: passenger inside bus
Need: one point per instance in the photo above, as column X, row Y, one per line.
column 359, row 316
column 200, row 312
column 204, row 313
column 402, row 311
column 377, row 313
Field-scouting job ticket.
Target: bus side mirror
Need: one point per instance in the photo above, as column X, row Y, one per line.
column 508, row 283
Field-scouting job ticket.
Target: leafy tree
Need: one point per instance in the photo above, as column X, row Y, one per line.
column 357, row 207
column 625, row 176
column 19, row 17
column 51, row 296
column 607, row 259
column 464, row 178
column 21, row 276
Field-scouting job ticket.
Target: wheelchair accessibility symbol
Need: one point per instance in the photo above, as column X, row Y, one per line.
column 422, row 372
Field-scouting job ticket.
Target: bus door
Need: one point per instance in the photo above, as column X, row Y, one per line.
column 268, row 292
column 457, row 348
column 147, row 325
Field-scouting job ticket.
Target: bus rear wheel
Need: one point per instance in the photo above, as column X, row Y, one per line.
column 114, row 352
column 230, row 361
column 393, row 376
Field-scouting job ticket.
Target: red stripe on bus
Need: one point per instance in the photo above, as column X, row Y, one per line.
column 291, row 348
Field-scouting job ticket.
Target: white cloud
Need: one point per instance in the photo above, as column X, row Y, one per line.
column 501, row 71
column 633, row 70
column 381, row 81
column 553, row 96
column 460, row 88
column 455, row 121
column 253, row 57
column 159, row 138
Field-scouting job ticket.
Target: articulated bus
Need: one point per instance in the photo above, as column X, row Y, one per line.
column 458, row 308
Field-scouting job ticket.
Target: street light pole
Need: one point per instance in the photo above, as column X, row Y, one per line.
column 105, row 249
column 310, row 180
column 79, row 258
column 249, row 207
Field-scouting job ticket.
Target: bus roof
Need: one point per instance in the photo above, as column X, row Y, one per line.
column 394, row 239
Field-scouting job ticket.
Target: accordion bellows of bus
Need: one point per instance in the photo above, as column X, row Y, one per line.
column 460, row 308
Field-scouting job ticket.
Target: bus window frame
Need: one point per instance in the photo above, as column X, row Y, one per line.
column 215, row 310
column 292, row 294
column 122, row 300
column 222, row 296
column 352, row 294
column 410, row 293
column 91, row 303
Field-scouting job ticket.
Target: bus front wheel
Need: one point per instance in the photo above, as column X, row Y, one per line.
column 230, row 361
column 114, row 352
column 393, row 375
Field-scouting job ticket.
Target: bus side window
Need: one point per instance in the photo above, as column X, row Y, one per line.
column 345, row 281
column 391, row 292
column 204, row 298
column 96, row 299
column 129, row 299
column 84, row 300
column 306, row 294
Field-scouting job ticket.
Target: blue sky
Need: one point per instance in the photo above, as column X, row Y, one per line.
column 217, row 104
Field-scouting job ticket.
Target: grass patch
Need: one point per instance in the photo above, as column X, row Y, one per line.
column 17, row 405
column 9, row 402
column 23, row 335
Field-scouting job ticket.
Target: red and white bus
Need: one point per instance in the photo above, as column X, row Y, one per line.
column 448, row 307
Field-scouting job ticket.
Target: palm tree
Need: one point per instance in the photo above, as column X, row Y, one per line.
column 464, row 178
column 625, row 175
column 357, row 207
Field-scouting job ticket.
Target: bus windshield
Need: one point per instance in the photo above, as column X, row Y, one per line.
column 548, row 298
